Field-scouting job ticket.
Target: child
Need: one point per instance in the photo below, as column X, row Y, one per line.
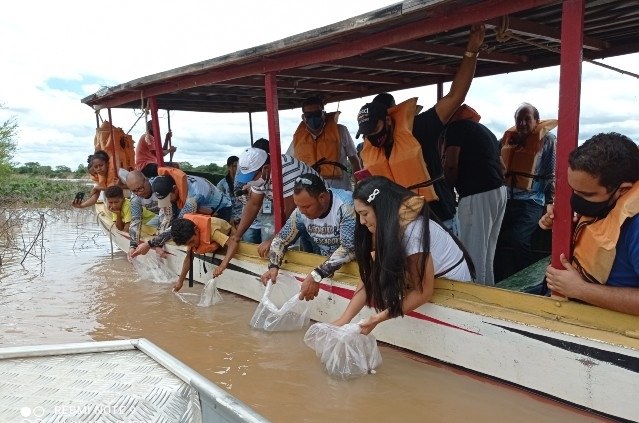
column 202, row 234
column 120, row 209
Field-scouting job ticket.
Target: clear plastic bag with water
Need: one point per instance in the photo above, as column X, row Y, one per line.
column 343, row 350
column 150, row 267
column 294, row 314
column 210, row 294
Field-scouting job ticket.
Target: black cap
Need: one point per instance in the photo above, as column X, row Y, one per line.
column 162, row 186
column 368, row 116
column 386, row 99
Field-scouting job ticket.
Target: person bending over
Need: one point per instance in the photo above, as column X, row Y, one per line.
column 400, row 249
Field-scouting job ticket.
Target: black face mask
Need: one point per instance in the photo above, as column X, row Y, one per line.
column 597, row 209
column 381, row 138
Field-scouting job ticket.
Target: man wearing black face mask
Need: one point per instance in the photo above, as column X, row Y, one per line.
column 323, row 144
column 416, row 163
column 604, row 176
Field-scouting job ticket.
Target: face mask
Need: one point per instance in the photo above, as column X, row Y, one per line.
column 379, row 139
column 315, row 123
column 597, row 209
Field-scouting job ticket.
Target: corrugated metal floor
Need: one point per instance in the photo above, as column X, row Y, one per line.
column 123, row 386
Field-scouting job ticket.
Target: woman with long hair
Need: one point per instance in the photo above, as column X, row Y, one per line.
column 400, row 249
column 101, row 173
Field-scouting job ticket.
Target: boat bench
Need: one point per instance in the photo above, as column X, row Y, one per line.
column 526, row 279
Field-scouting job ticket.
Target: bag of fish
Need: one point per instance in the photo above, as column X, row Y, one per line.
column 210, row 294
column 294, row 314
column 343, row 350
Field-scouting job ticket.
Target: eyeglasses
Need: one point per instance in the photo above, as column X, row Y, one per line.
column 137, row 190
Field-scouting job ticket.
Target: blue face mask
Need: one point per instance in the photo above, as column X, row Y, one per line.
column 314, row 120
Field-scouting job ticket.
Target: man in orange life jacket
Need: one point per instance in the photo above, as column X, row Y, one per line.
column 319, row 138
column 604, row 176
column 190, row 231
column 378, row 128
column 528, row 151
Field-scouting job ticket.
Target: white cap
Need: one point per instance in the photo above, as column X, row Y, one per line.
column 250, row 161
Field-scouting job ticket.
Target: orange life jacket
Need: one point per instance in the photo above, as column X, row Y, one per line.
column 406, row 164
column 521, row 160
column 180, row 182
column 203, row 224
column 326, row 146
column 124, row 151
column 595, row 241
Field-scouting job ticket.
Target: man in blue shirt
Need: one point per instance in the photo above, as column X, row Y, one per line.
column 604, row 176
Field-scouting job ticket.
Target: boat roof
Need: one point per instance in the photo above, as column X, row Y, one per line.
column 406, row 45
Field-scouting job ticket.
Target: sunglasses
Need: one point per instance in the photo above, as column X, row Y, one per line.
column 303, row 181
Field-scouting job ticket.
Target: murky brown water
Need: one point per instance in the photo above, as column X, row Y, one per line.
column 82, row 294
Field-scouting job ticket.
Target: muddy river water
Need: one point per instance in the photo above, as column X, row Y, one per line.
column 71, row 288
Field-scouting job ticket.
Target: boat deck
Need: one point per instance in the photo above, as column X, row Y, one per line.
column 64, row 384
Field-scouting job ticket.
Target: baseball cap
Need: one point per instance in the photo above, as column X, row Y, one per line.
column 368, row 116
column 163, row 186
column 386, row 99
column 251, row 160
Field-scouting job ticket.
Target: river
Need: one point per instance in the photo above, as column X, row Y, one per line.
column 71, row 288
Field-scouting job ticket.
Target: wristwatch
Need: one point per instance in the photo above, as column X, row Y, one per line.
column 316, row 276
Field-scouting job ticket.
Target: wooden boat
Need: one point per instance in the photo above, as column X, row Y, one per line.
column 131, row 380
column 566, row 350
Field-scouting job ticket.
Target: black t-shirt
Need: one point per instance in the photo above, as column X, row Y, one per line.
column 479, row 166
column 426, row 128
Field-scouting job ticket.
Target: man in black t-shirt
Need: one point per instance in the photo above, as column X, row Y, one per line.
column 472, row 164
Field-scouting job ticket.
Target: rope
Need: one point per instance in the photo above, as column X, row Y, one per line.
column 504, row 34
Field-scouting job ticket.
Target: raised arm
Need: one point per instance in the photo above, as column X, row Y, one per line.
column 448, row 104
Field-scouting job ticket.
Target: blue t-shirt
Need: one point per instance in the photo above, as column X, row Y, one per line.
column 625, row 268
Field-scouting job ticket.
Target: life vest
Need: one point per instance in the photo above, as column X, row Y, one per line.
column 521, row 160
column 325, row 148
column 106, row 180
column 181, row 183
column 203, row 224
column 124, row 151
column 405, row 165
column 595, row 241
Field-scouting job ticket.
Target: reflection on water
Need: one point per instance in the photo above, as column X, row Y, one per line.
column 82, row 293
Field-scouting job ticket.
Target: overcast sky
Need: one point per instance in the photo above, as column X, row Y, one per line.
column 56, row 53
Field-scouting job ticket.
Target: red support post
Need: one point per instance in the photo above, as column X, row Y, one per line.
column 273, row 118
column 157, row 136
column 114, row 157
column 572, row 29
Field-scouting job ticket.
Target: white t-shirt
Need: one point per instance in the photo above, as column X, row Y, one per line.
column 291, row 170
column 444, row 251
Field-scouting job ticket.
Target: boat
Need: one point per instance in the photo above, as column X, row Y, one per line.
column 126, row 380
column 572, row 352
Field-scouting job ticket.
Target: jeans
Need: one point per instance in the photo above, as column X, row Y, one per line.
column 253, row 235
column 520, row 222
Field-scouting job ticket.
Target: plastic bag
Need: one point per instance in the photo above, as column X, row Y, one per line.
column 151, row 267
column 210, row 294
column 293, row 315
column 343, row 350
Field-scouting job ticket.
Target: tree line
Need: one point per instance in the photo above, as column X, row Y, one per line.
column 8, row 144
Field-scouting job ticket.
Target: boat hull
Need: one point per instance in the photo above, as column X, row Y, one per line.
column 572, row 352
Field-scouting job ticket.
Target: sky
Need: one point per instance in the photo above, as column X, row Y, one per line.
column 56, row 53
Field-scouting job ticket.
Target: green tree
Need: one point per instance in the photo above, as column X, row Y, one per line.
column 80, row 171
column 8, row 132
column 186, row 166
column 61, row 170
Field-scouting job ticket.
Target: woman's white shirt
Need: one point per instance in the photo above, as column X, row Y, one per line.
column 443, row 250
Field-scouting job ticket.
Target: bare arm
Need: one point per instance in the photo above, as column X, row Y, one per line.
column 451, row 164
column 569, row 282
column 186, row 266
column 448, row 104
column 356, row 304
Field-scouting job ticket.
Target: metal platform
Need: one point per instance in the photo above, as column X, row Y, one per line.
column 130, row 381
